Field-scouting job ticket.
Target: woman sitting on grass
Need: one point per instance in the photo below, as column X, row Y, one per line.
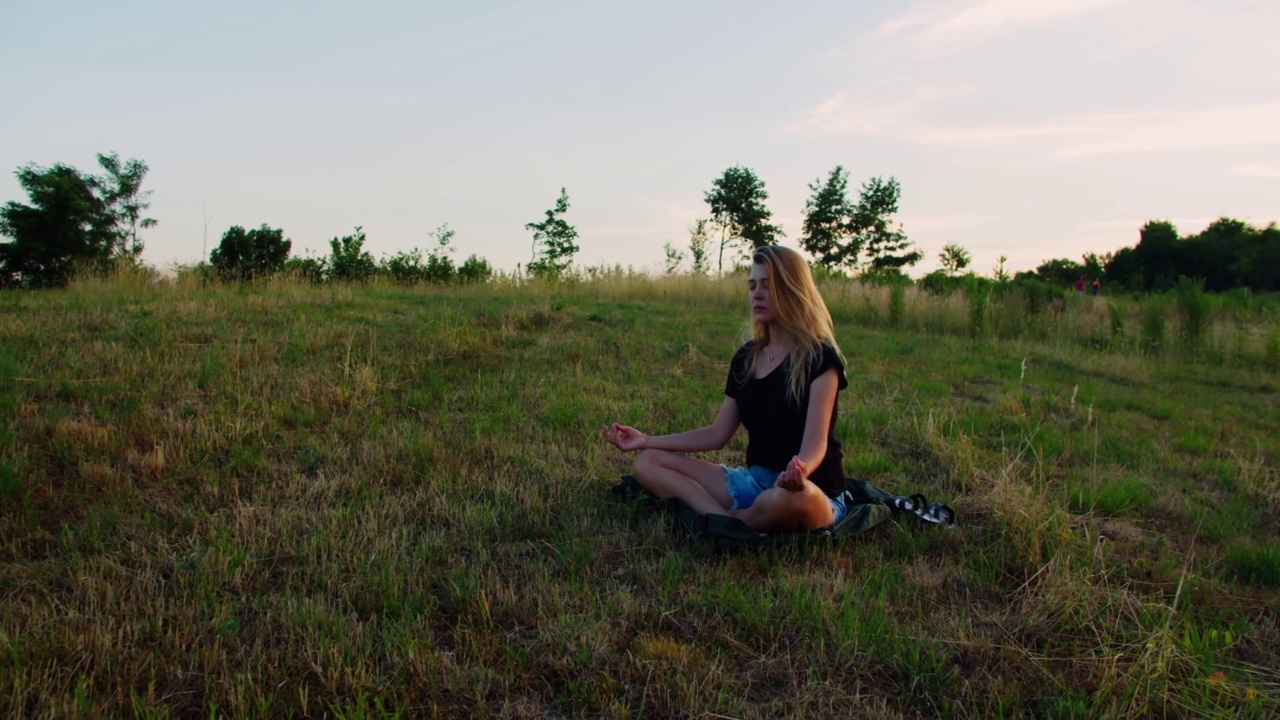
column 782, row 386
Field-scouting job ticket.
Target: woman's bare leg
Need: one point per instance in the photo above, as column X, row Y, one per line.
column 700, row 484
column 789, row 510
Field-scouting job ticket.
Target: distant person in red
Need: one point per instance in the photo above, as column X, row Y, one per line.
column 1097, row 286
column 1080, row 284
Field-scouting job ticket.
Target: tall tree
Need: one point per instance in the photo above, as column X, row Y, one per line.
column 888, row 248
column 1157, row 255
column 125, row 201
column 553, row 241
column 65, row 227
column 698, row 241
column 828, row 231
column 737, row 206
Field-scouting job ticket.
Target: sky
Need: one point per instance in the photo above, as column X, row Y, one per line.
column 1030, row 129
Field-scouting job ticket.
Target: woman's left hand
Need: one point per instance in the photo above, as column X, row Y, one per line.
column 794, row 476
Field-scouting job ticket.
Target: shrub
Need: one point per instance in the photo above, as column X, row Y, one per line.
column 1153, row 324
column 979, row 294
column 309, row 269
column 1117, row 322
column 439, row 269
column 404, row 268
column 348, row 260
column 939, row 283
column 244, row 255
column 1193, row 310
column 474, row 270
column 897, row 303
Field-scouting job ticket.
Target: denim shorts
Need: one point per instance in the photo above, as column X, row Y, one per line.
column 746, row 484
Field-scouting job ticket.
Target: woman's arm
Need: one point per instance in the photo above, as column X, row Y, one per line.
column 712, row 437
column 817, row 423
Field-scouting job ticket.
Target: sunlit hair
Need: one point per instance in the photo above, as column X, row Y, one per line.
column 801, row 318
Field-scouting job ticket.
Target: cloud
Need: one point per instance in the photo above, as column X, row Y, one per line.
column 907, row 119
column 1243, row 125
column 1257, row 170
column 870, row 113
column 934, row 27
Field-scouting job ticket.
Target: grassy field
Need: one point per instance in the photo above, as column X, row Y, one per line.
column 374, row 501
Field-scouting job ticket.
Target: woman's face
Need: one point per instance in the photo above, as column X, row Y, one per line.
column 758, row 285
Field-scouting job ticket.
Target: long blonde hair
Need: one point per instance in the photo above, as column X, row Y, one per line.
column 800, row 316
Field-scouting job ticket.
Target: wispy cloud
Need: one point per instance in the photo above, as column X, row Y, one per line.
column 1243, row 125
column 1256, row 170
column 876, row 113
column 908, row 119
column 937, row 27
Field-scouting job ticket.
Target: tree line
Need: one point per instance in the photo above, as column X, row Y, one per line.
column 77, row 222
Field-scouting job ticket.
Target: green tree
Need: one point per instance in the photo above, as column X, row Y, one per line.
column 245, row 255
column 888, row 248
column 672, row 258
column 1258, row 265
column 440, row 268
column 65, row 228
column 125, row 201
column 553, row 241
column 737, row 206
column 1157, row 255
column 348, row 260
column 828, row 229
column 1123, row 270
column 699, row 239
column 955, row 258
column 999, row 274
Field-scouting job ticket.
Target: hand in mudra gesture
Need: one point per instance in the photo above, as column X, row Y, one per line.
column 625, row 438
column 794, row 476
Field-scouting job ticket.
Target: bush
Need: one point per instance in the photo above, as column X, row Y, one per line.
column 200, row 273
column 939, row 283
column 245, row 255
column 1037, row 295
column 1193, row 311
column 405, row 268
column 474, row 270
column 979, row 294
column 310, row 269
column 1153, row 322
column 348, row 261
column 1117, row 322
column 897, row 303
column 439, row 269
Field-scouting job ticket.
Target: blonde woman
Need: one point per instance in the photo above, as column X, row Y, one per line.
column 782, row 387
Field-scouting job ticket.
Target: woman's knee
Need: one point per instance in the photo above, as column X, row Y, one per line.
column 647, row 459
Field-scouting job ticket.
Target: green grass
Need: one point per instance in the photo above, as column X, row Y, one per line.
column 280, row 500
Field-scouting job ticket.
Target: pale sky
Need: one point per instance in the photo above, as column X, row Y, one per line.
column 1033, row 129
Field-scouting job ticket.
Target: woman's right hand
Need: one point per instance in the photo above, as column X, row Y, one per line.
column 625, row 438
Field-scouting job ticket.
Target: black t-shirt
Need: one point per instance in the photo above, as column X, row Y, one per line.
column 775, row 423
